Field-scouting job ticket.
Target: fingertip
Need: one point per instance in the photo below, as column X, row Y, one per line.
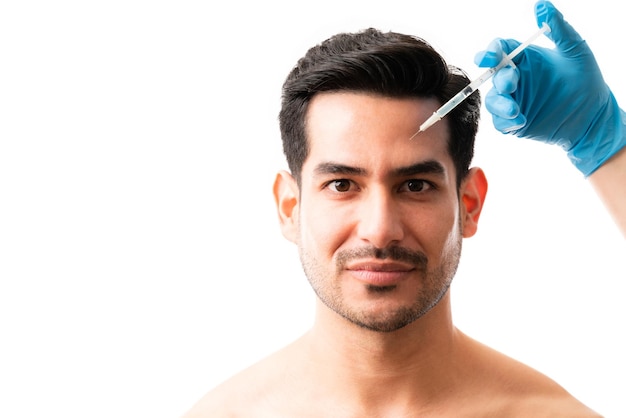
column 512, row 126
column 509, row 126
column 506, row 80
column 491, row 56
column 486, row 59
column 543, row 10
column 501, row 105
column 561, row 32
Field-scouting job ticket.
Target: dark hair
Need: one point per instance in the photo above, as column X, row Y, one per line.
column 389, row 64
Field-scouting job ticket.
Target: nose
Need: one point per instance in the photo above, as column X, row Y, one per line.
column 380, row 221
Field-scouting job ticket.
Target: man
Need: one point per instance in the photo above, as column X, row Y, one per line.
column 379, row 222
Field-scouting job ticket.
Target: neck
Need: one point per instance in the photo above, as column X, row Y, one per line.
column 413, row 361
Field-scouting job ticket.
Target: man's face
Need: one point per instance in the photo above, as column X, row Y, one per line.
column 377, row 218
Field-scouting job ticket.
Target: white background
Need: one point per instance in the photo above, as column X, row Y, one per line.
column 140, row 257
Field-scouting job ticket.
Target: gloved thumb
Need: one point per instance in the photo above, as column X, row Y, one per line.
column 561, row 33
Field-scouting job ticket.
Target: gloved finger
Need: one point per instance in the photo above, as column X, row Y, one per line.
column 508, row 45
column 505, row 81
column 505, row 112
column 495, row 52
column 561, row 33
column 509, row 126
column 491, row 56
column 501, row 105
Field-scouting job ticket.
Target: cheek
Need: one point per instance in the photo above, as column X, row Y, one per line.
column 454, row 234
column 321, row 230
column 438, row 230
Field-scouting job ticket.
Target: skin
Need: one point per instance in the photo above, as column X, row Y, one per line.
column 608, row 182
column 342, row 367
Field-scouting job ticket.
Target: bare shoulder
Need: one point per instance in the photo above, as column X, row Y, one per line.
column 249, row 393
column 511, row 388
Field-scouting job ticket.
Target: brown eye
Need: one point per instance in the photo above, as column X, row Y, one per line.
column 417, row 186
column 340, row 185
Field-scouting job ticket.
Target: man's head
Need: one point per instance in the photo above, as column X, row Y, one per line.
column 378, row 218
column 388, row 64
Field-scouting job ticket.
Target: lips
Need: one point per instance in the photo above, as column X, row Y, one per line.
column 380, row 274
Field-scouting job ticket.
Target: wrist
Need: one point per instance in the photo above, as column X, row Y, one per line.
column 605, row 138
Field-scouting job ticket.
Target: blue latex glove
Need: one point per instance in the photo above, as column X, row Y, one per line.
column 557, row 96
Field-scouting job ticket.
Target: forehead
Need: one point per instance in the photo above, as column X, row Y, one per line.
column 374, row 132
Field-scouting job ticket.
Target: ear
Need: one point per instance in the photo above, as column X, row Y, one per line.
column 286, row 196
column 473, row 193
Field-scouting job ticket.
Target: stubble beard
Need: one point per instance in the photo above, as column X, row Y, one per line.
column 434, row 285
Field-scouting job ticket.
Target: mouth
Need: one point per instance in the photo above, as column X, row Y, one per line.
column 380, row 274
column 381, row 267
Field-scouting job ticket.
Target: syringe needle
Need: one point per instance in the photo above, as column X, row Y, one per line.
column 475, row 84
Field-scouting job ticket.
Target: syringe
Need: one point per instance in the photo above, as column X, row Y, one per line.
column 473, row 86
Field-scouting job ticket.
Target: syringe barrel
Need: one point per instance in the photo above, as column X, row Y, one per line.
column 454, row 101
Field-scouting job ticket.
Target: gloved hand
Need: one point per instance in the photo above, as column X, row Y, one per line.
column 557, row 96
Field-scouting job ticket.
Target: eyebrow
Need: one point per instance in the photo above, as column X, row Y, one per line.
column 336, row 168
column 423, row 167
